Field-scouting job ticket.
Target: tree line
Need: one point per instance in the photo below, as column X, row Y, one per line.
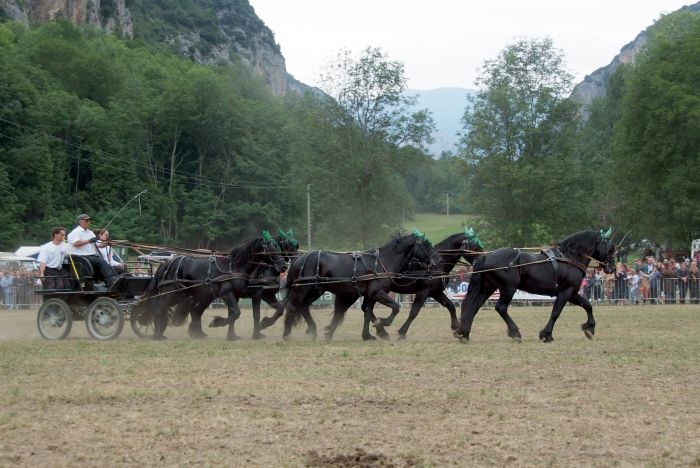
column 89, row 120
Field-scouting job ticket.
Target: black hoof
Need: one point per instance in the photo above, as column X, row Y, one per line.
column 328, row 336
column 517, row 339
column 312, row 333
column 401, row 337
column 160, row 338
column 233, row 337
column 266, row 322
column 588, row 330
column 546, row 337
column 463, row 339
column 218, row 322
column 258, row 336
column 369, row 337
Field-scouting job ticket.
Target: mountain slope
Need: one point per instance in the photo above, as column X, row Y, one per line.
column 447, row 106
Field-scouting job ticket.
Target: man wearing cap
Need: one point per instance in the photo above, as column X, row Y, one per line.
column 82, row 242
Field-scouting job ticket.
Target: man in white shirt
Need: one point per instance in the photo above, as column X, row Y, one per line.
column 82, row 242
column 50, row 261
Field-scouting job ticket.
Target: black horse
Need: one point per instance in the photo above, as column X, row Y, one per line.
column 465, row 245
column 350, row 276
column 192, row 283
column 553, row 272
column 264, row 285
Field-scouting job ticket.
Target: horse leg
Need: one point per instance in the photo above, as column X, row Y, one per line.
column 559, row 302
column 502, row 308
column 310, row 323
column 470, row 306
column 256, row 299
column 342, row 304
column 446, row 302
column 588, row 326
column 160, row 319
column 279, row 312
column 234, row 312
column 383, row 298
column 195, row 327
column 418, row 303
column 298, row 306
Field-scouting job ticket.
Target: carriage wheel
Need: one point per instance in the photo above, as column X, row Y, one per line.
column 142, row 323
column 104, row 320
column 54, row 319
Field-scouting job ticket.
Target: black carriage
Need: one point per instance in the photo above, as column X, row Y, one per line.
column 103, row 309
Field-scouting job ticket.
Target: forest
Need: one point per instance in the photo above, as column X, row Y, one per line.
column 89, row 120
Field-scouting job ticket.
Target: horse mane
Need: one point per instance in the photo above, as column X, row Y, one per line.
column 242, row 254
column 448, row 241
column 575, row 242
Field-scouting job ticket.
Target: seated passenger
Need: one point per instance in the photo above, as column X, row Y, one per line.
column 104, row 248
column 82, row 242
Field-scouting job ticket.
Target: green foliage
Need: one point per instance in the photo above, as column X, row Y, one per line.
column 517, row 146
column 370, row 121
column 656, row 144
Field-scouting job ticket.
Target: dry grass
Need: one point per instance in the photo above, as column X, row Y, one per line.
column 628, row 397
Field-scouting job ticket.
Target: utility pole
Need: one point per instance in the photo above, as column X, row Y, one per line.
column 447, row 194
column 308, row 215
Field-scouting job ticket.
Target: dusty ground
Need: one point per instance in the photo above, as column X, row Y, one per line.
column 629, row 397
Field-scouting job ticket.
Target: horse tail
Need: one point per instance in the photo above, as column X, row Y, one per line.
column 476, row 279
column 296, row 270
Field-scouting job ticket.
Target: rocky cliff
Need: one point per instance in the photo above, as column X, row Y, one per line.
column 207, row 31
column 595, row 85
column 111, row 15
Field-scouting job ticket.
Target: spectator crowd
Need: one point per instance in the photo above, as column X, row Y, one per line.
column 645, row 281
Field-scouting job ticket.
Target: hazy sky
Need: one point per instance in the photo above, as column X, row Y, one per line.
column 444, row 42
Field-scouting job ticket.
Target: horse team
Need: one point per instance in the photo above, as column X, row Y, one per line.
column 408, row 264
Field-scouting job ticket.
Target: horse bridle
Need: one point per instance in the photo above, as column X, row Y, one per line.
column 268, row 254
column 432, row 263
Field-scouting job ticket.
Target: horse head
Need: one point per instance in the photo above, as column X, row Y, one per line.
column 471, row 241
column 288, row 244
column 424, row 252
column 271, row 252
column 604, row 251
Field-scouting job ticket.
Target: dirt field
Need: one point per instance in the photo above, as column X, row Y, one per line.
column 629, row 397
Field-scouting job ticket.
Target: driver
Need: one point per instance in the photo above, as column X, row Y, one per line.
column 82, row 242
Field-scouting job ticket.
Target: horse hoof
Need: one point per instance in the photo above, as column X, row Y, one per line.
column 457, row 334
column 265, row 322
column 588, row 333
column 517, row 339
column 401, row 337
column 218, row 322
column 327, row 336
column 258, row 336
column 233, row 337
column 369, row 337
column 377, row 323
column 464, row 340
column 199, row 336
column 384, row 336
column 160, row 338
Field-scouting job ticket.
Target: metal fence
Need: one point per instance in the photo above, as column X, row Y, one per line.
column 22, row 295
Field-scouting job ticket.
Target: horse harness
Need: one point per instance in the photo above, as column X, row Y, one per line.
column 357, row 256
column 554, row 257
column 212, row 267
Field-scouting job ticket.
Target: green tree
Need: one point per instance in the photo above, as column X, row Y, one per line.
column 517, row 145
column 657, row 143
column 374, row 118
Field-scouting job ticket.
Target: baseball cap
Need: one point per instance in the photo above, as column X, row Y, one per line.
column 83, row 216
